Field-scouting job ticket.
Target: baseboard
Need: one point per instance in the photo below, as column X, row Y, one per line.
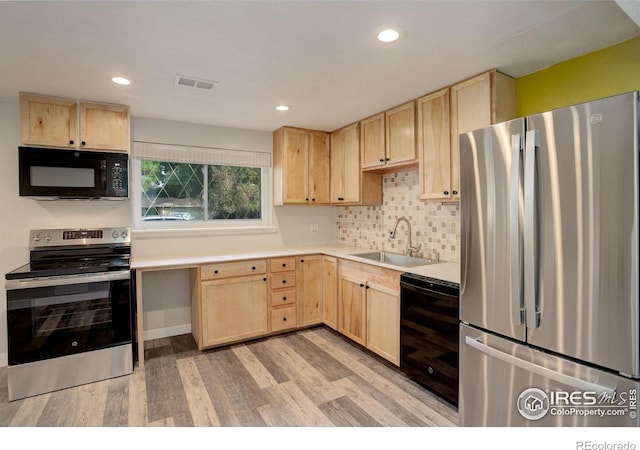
column 4, row 359
column 158, row 333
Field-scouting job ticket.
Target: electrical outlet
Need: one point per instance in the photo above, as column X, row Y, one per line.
column 314, row 228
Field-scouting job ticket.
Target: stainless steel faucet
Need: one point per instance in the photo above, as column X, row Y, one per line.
column 392, row 234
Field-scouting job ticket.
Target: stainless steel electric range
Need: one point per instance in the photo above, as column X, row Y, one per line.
column 69, row 311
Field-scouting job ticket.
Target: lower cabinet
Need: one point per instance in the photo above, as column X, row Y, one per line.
column 233, row 309
column 330, row 291
column 239, row 300
column 369, row 307
column 310, row 289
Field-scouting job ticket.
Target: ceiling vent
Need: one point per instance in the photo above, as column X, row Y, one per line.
column 196, row 83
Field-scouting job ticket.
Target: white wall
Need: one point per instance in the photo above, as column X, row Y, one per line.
column 165, row 296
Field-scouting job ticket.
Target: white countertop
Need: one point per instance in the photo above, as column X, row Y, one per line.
column 447, row 271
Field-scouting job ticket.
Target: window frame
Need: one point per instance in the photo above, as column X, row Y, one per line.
column 201, row 227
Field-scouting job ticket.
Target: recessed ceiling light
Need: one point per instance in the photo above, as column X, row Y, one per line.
column 388, row 35
column 282, row 108
column 120, row 80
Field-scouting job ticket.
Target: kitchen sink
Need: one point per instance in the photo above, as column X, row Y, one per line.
column 395, row 259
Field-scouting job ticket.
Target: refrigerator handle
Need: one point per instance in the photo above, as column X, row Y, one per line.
column 558, row 377
column 532, row 143
column 514, row 229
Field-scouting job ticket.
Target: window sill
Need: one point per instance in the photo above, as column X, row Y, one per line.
column 195, row 232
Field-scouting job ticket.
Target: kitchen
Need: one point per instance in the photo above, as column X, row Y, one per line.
column 334, row 224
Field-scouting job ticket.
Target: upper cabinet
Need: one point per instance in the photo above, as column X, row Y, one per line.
column 478, row 102
column 388, row 139
column 300, row 166
column 349, row 185
column 56, row 122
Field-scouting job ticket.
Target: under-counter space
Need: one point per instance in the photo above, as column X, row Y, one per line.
column 276, row 257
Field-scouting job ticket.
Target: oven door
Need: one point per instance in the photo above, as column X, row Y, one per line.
column 48, row 318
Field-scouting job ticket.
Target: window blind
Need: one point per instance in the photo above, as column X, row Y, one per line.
column 152, row 151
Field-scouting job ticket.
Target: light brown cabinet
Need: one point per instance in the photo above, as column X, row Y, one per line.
column 369, row 307
column 330, row 291
column 310, row 290
column 434, row 146
column 229, row 309
column 58, row 122
column 283, row 295
column 383, row 322
column 475, row 103
column 301, row 165
column 389, row 139
column 349, row 185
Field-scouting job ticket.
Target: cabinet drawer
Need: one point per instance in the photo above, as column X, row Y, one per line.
column 233, row 269
column 283, row 280
column 283, row 264
column 283, row 297
column 283, row 318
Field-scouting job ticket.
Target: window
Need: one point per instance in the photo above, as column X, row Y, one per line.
column 186, row 187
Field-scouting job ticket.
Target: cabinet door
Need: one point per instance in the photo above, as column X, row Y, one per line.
column 383, row 322
column 233, row 309
column 319, row 166
column 351, row 165
column 434, row 145
column 295, row 166
column 310, row 290
column 400, row 125
column 48, row 121
column 372, row 142
column 352, row 309
column 104, row 127
column 471, row 104
column 330, row 291
column 337, row 167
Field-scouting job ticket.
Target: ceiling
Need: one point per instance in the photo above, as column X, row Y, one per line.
column 320, row 57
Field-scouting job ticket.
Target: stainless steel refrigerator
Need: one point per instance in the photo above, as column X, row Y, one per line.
column 549, row 313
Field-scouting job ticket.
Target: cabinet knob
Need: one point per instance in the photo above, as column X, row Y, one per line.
column 284, row 299
column 284, row 265
column 284, row 281
column 455, row 192
column 302, row 260
column 313, row 199
column 381, row 159
column 361, row 285
column 284, row 319
column 264, row 279
column 83, row 143
column 70, row 142
column 215, row 271
column 253, row 268
column 387, row 159
column 366, row 287
column 306, row 199
column 446, row 192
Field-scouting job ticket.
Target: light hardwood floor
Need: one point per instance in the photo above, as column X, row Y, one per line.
column 312, row 377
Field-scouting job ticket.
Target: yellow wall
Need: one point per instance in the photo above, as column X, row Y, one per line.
column 610, row 71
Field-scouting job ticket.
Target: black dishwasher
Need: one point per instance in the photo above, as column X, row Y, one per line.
column 429, row 333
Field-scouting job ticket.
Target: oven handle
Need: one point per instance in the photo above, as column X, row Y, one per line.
column 31, row 283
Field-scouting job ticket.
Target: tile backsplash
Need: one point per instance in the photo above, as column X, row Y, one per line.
column 436, row 226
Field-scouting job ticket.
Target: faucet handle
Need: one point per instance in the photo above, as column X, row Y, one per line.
column 391, row 234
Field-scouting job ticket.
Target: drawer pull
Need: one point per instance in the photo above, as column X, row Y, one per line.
column 284, row 319
column 215, row 271
column 284, row 299
column 264, row 279
column 253, row 268
column 284, row 281
column 284, row 265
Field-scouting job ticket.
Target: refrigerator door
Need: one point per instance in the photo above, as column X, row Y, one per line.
column 491, row 232
column 503, row 383
column 581, row 248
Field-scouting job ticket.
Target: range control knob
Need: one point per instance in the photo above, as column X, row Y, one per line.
column 48, row 237
column 37, row 237
column 124, row 234
column 114, row 235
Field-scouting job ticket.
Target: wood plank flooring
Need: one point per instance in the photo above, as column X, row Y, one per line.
column 309, row 378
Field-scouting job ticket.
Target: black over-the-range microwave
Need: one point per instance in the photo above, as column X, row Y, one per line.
column 50, row 174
